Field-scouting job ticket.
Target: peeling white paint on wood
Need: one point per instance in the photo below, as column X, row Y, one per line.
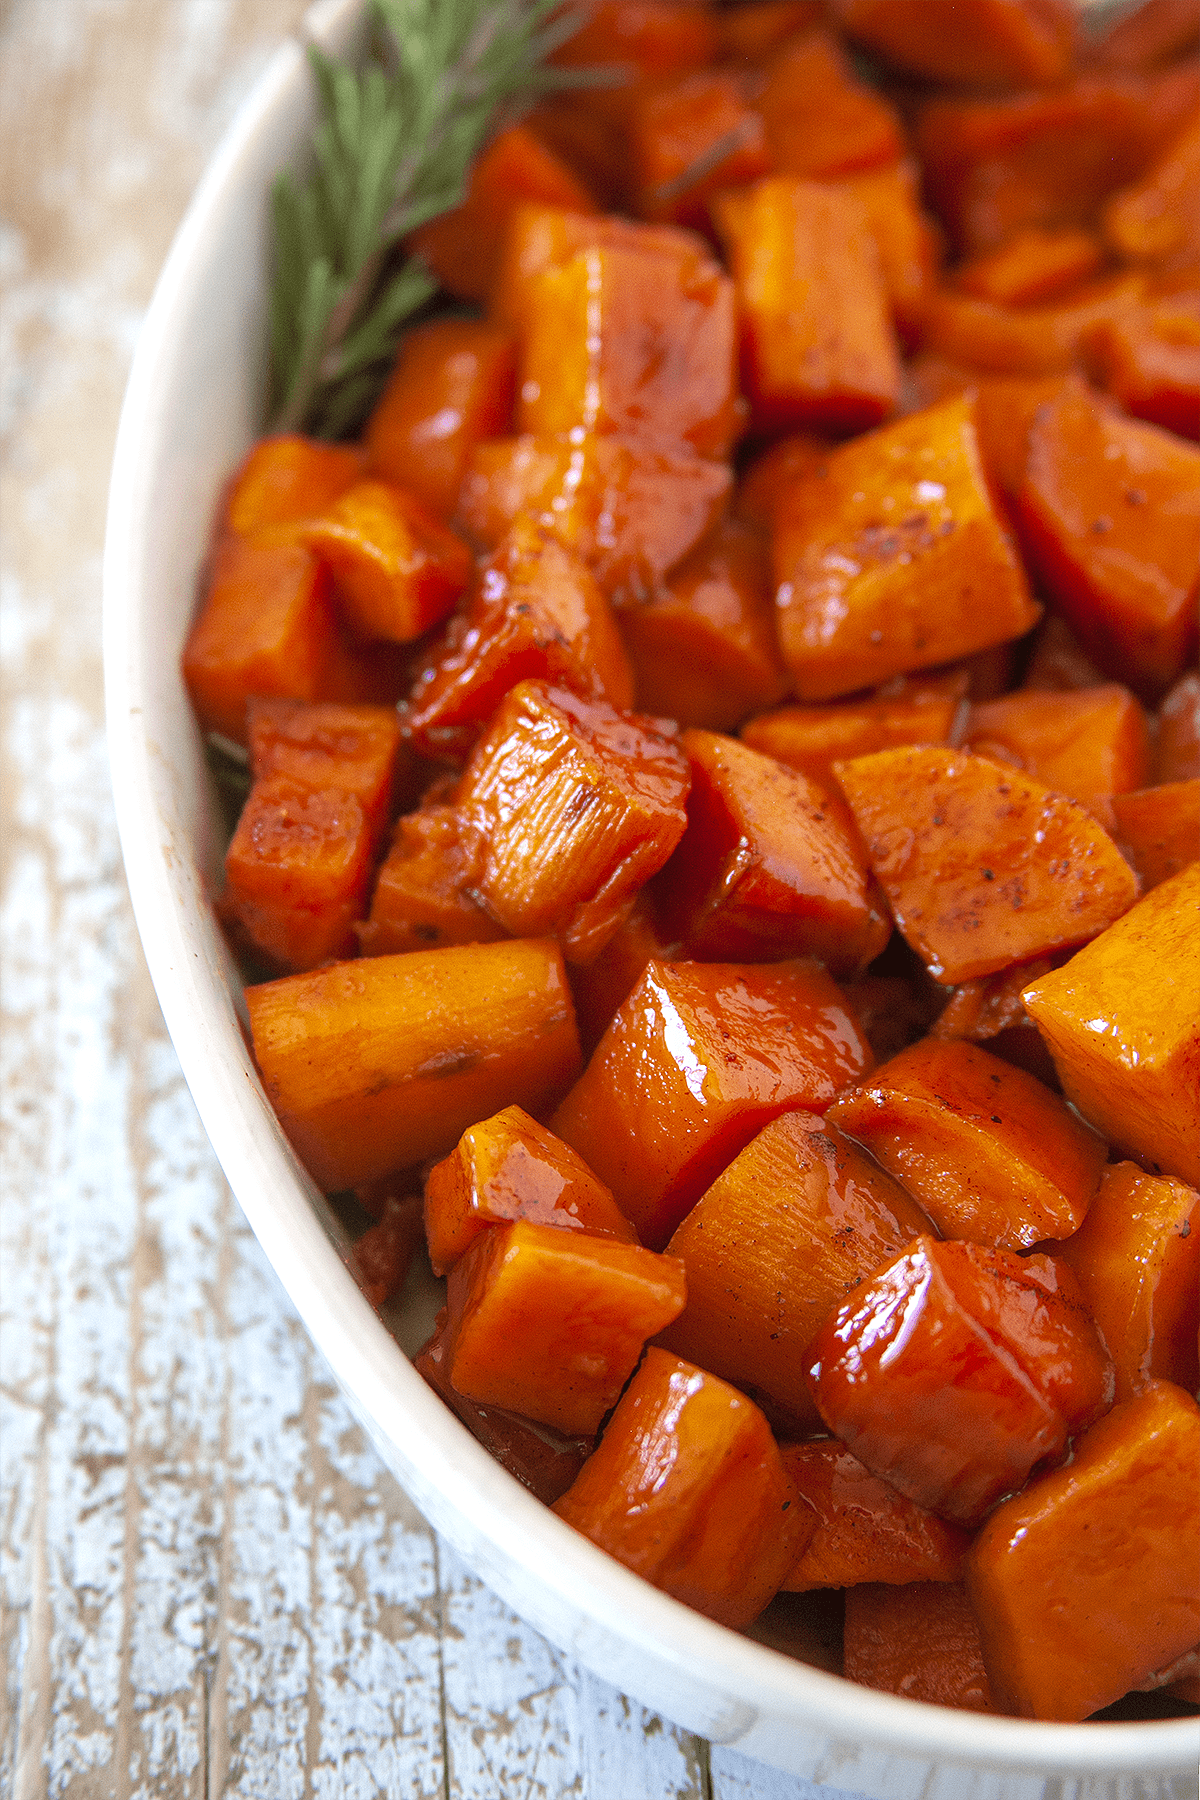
column 210, row 1586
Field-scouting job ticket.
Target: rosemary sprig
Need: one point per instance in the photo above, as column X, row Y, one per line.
column 393, row 149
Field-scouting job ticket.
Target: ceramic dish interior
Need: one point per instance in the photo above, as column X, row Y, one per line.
column 191, row 410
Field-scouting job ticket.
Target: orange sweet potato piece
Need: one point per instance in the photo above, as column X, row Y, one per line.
column 1156, row 218
column 644, row 37
column 1085, row 1584
column 703, row 648
column 989, row 1152
column 751, row 31
column 989, row 44
column 1093, row 741
column 540, row 238
column 772, row 473
column 1137, row 1257
column 954, row 1370
column 396, row 569
column 894, row 558
column 813, row 738
column 571, row 807
column 990, row 1005
column 451, row 387
column 687, row 1488
column 550, row 1323
column 1149, row 360
column 1153, row 33
column 769, row 867
column 982, row 866
column 689, row 136
column 384, row 1251
column 1034, row 265
column 777, row 1241
column 510, row 1167
column 463, row 247
column 866, row 1531
column 920, row 1640
column 818, row 350
column 599, row 987
column 1025, row 340
column 351, row 748
column 376, row 1064
column 698, row 1058
column 286, row 479
column 1110, row 511
column 1058, row 664
column 421, row 899
column 820, row 120
column 1177, row 753
column 906, row 239
column 1122, row 1025
column 1159, row 829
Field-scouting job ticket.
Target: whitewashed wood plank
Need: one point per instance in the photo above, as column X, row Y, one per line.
column 737, row 1777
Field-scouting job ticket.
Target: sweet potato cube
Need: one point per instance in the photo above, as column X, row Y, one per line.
column 1155, row 32
column 510, row 1167
column 1137, row 1256
column 1159, row 829
column 297, row 872
column 536, row 611
column 820, row 120
column 703, row 649
column 991, row 1153
column 539, row 238
column 376, row 1064
column 813, row 738
column 286, row 479
column 1177, row 753
column 894, row 558
column 350, row 748
column 1124, row 1030
column 631, row 510
column 623, row 340
column 698, row 1058
column 396, row 569
column 777, row 1241
column 690, row 136
column 906, row 240
column 993, row 43
column 1093, row 741
column 1110, row 509
column 920, row 1640
column 571, row 806
column 773, row 471
column 664, row 37
column 687, row 1488
column 599, row 987
column 817, row 348
column 422, row 899
column 1149, row 361
column 1156, row 217
column 770, row 866
column 551, row 1323
column 452, row 386
column 954, row 1370
column 983, row 866
column 751, row 31
column 1058, row 664
column 1085, row 1584
column 1034, row 265
column 866, row 1531
column 1026, row 340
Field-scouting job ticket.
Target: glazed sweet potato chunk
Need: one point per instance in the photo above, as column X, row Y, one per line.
column 1156, row 218
column 286, row 479
column 983, row 866
column 920, row 1640
column 690, row 136
column 1032, row 266
column 1085, row 1584
column 993, row 43
column 1123, row 1027
column 990, row 1152
column 866, row 1531
column 687, row 1489
column 813, row 738
column 599, row 987
column 1159, row 829
column 376, row 1064
column 777, row 1241
column 1177, row 753
column 698, row 1058
column 396, row 568
column 894, row 558
column 1149, row 361
column 769, row 866
column 1090, row 742
column 510, row 1167
column 422, row 898
column 352, row 749
column 550, row 1323
column 571, row 807
column 821, row 121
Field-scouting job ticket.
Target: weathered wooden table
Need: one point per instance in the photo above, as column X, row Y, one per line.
column 211, row 1587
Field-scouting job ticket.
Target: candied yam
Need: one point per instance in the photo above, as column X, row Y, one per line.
column 1032, row 266
column 571, row 806
column 820, row 120
column 813, row 738
column 600, row 987
column 989, row 1152
column 990, row 1005
column 1084, row 1584
column 452, row 386
column 323, row 745
column 1159, row 829
column 753, row 29
column 920, row 1640
column 374, row 1065
column 539, row 238
column 817, row 345
column 905, row 238
column 698, row 1058
column 421, row 899
column 384, row 1251
column 769, row 867
column 463, row 247
column 1058, row 664
column 622, row 340
column 690, row 136
column 1177, row 753
column 989, row 44
column 1110, row 510
column 1093, row 741
column 1149, row 360
column 894, row 558
column 650, row 37
column 1122, row 1025
column 687, row 1489
column 632, row 511
column 1155, row 32
column 798, row 1217
column 285, row 479
column 396, row 569
column 703, row 648
column 297, row 872
column 772, row 473
column 1137, row 1257
column 983, row 866
column 866, row 1531
column 1025, row 340
column 510, row 1167
column 1156, row 217
column 550, row 1323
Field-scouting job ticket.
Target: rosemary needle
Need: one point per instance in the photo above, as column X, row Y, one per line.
column 393, row 149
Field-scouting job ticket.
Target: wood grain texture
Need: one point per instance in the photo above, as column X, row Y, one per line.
column 210, row 1585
